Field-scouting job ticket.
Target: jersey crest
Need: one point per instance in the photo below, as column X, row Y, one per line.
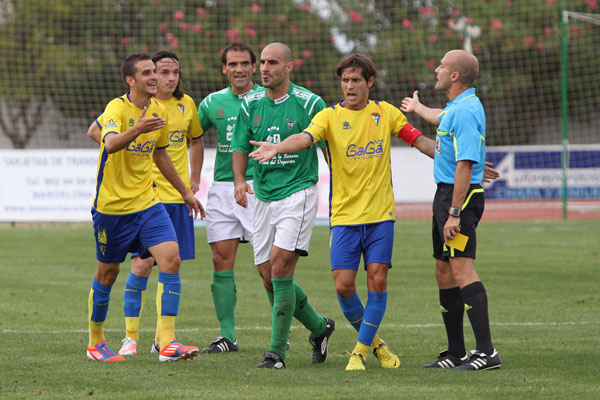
column 290, row 123
column 376, row 118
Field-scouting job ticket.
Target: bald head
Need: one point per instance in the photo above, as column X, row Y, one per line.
column 465, row 64
column 279, row 50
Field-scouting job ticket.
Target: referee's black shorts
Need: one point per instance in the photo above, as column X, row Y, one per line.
column 471, row 213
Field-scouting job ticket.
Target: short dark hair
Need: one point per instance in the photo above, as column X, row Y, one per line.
column 128, row 68
column 159, row 55
column 238, row 46
column 360, row 62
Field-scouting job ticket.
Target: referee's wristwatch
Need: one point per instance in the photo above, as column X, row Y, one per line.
column 454, row 212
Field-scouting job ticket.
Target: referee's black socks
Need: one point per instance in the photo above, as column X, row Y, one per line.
column 476, row 304
column 453, row 310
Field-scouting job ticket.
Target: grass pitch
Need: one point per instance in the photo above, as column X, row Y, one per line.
column 542, row 280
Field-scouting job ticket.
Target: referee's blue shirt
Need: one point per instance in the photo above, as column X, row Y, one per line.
column 460, row 137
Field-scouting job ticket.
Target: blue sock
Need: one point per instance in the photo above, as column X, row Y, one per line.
column 171, row 293
column 132, row 298
column 374, row 310
column 100, row 300
column 353, row 309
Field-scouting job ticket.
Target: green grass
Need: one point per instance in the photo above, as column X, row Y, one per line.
column 542, row 280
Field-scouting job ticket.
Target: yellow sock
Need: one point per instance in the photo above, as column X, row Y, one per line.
column 132, row 325
column 166, row 327
column 361, row 349
column 96, row 330
column 96, row 333
column 157, row 334
column 376, row 342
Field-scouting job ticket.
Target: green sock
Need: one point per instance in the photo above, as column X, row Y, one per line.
column 271, row 297
column 306, row 314
column 225, row 298
column 284, row 304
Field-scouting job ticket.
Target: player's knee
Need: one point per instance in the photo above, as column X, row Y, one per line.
column 109, row 278
column 221, row 262
column 377, row 283
column 170, row 264
column 107, row 274
column 444, row 276
column 142, row 266
column 345, row 289
column 268, row 284
column 266, row 278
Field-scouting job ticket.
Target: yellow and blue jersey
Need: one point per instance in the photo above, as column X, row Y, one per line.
column 124, row 181
column 460, row 137
column 183, row 125
column 358, row 145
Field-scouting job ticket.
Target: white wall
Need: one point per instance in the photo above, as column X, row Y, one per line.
column 59, row 185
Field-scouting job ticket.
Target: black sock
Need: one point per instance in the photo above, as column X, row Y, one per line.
column 453, row 310
column 475, row 299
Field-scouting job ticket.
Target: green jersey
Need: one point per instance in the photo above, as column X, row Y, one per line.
column 220, row 109
column 266, row 120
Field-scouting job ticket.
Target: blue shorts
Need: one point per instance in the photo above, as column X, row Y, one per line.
column 183, row 223
column 374, row 241
column 117, row 235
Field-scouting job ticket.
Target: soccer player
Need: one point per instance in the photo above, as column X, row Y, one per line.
column 227, row 224
column 358, row 135
column 286, row 199
column 127, row 213
column 457, row 208
column 184, row 127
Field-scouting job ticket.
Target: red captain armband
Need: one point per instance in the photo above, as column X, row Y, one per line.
column 409, row 134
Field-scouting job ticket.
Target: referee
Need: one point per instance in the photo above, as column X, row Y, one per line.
column 458, row 204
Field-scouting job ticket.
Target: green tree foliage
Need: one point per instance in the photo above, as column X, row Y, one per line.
column 67, row 53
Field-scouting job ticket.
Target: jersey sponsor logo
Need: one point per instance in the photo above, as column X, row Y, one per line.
column 220, row 112
column 257, row 120
column 110, row 124
column 177, row 137
column 290, row 123
column 346, row 125
column 281, row 99
column 371, row 150
column 141, row 148
column 376, row 118
column 229, row 130
column 181, row 108
column 303, row 94
column 256, row 95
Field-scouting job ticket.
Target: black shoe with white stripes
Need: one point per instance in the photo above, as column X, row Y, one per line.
column 220, row 345
column 271, row 360
column 480, row 361
column 445, row 360
column 319, row 344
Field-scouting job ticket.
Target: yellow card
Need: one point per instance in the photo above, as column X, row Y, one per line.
column 459, row 242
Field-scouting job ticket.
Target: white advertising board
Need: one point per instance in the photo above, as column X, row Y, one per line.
column 60, row 185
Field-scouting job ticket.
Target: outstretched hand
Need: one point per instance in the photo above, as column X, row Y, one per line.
column 410, row 104
column 489, row 173
column 149, row 124
column 265, row 151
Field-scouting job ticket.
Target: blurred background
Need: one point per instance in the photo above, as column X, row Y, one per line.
column 62, row 62
column 62, row 57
